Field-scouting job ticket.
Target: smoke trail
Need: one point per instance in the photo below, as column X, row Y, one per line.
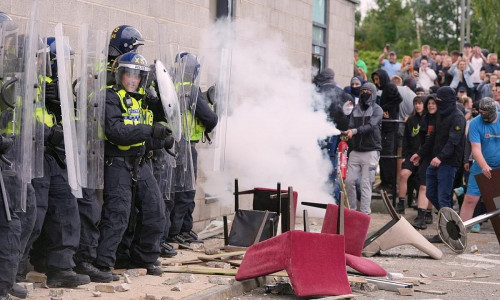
column 275, row 117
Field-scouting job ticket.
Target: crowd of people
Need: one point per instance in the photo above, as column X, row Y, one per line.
column 146, row 204
column 428, row 123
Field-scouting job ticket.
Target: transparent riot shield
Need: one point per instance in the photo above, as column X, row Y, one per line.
column 221, row 106
column 169, row 100
column 10, row 105
column 63, row 57
column 91, row 96
column 163, row 167
column 187, row 85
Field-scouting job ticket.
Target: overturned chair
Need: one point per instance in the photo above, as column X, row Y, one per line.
column 315, row 262
column 260, row 223
column 355, row 229
column 398, row 232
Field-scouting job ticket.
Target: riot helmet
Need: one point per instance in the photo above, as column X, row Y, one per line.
column 190, row 66
column 124, row 39
column 131, row 72
column 51, row 43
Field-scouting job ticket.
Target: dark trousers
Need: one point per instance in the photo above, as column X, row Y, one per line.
column 10, row 249
column 90, row 214
column 28, row 220
column 439, row 182
column 57, row 214
column 181, row 216
column 145, row 245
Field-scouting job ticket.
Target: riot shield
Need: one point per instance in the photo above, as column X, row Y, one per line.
column 10, row 76
column 23, row 126
column 221, row 105
column 91, row 97
column 169, row 100
column 163, row 168
column 63, row 57
column 187, row 85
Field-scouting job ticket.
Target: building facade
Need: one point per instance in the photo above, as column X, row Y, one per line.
column 315, row 33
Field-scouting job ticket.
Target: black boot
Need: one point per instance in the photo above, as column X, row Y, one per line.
column 400, row 206
column 151, row 268
column 167, row 250
column 65, row 278
column 419, row 222
column 428, row 216
column 95, row 274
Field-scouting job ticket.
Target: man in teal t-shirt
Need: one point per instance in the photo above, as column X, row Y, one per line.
column 484, row 136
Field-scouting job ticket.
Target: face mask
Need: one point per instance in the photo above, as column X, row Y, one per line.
column 364, row 98
column 347, row 108
column 355, row 91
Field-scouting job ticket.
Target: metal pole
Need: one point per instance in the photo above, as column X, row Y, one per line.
column 467, row 30
column 481, row 218
column 462, row 24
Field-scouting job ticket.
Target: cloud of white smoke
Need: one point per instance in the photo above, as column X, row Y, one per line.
column 272, row 127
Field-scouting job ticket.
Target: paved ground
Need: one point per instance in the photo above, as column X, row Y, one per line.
column 409, row 261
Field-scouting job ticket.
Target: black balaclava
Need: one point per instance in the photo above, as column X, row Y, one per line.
column 448, row 102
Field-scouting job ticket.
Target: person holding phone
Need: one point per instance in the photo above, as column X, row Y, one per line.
column 390, row 65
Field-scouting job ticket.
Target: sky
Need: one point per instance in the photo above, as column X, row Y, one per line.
column 366, row 5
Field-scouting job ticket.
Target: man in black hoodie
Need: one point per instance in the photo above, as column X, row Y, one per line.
column 389, row 101
column 365, row 142
column 446, row 144
column 334, row 98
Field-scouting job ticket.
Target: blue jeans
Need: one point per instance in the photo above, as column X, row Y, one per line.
column 439, row 182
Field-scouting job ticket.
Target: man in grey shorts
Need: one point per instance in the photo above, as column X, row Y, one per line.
column 365, row 142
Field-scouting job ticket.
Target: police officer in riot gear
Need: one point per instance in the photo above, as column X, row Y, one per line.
column 205, row 120
column 124, row 39
column 57, row 226
column 130, row 190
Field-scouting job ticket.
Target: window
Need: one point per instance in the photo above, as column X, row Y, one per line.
column 319, row 35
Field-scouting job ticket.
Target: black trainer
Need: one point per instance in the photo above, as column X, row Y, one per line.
column 191, row 237
column 428, row 216
column 178, row 238
column 95, row 274
column 65, row 278
column 19, row 291
column 167, row 250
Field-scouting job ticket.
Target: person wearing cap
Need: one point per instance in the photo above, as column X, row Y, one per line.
column 391, row 65
column 446, row 145
column 484, row 136
column 366, row 143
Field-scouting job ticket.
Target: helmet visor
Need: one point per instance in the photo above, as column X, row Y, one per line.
column 132, row 80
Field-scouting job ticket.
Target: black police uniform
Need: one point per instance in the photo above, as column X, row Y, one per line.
column 124, row 151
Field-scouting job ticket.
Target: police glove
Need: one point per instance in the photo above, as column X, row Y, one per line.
column 5, row 144
column 52, row 91
column 151, row 96
column 169, row 142
column 56, row 135
column 160, row 131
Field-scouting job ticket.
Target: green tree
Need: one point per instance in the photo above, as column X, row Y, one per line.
column 487, row 17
